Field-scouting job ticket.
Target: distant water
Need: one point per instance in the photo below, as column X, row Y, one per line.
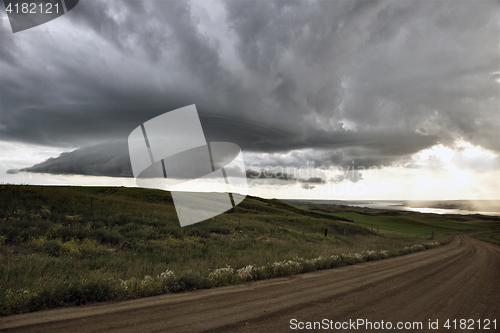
column 450, row 211
column 400, row 205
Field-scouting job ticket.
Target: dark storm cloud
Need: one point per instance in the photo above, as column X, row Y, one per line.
column 328, row 82
column 313, row 180
column 91, row 161
column 268, row 174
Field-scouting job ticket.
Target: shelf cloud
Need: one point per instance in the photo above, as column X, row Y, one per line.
column 291, row 82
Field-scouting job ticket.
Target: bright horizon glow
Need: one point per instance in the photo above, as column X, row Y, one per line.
column 439, row 173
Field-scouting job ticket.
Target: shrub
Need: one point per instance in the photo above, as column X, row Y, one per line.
column 190, row 280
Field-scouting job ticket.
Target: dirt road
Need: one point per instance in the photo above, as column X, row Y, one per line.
column 458, row 281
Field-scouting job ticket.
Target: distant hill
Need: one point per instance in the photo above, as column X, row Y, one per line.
column 474, row 205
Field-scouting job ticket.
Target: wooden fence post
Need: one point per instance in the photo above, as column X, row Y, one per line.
column 326, row 232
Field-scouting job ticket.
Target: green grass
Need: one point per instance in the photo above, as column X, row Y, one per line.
column 491, row 237
column 409, row 223
column 57, row 251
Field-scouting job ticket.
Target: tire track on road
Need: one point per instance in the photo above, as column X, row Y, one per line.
column 458, row 280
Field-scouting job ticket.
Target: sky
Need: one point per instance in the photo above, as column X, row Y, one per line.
column 341, row 99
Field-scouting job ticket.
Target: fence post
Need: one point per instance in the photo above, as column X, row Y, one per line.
column 326, row 232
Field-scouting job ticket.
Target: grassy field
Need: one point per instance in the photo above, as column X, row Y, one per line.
column 492, row 237
column 406, row 222
column 58, row 249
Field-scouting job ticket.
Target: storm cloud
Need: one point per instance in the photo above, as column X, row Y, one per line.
column 92, row 161
column 291, row 82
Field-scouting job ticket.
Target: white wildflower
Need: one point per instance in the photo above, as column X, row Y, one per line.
column 147, row 279
column 221, row 271
column 166, row 275
column 245, row 273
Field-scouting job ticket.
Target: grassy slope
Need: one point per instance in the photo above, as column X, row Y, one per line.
column 409, row 223
column 55, row 251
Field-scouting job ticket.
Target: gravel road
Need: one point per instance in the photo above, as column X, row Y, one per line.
column 460, row 280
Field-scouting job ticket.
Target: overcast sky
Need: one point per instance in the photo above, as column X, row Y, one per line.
column 406, row 93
